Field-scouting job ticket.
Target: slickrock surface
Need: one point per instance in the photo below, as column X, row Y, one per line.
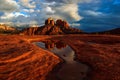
column 22, row 60
column 101, row 53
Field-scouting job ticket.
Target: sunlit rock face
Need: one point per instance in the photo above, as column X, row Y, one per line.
column 49, row 21
column 52, row 27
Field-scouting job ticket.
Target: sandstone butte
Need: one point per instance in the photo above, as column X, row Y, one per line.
column 20, row 59
column 51, row 27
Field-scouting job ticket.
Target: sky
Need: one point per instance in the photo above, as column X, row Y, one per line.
column 87, row 15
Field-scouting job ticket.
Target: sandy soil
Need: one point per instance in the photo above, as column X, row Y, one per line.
column 21, row 60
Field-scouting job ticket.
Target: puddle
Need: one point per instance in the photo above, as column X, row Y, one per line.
column 71, row 69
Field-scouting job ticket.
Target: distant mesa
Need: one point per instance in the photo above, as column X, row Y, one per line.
column 51, row 27
column 113, row 31
column 6, row 27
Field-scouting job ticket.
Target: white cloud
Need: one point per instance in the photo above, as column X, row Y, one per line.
column 49, row 3
column 7, row 16
column 49, row 10
column 93, row 13
column 53, row 9
column 28, row 3
column 26, row 10
column 75, row 24
column 12, row 15
column 65, row 9
column 16, row 14
column 31, row 10
column 69, row 12
column 8, row 5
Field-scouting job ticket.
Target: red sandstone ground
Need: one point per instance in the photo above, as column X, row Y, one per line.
column 21, row 60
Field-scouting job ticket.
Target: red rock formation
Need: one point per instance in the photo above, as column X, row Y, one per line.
column 30, row 31
column 59, row 22
column 52, row 28
column 55, row 31
column 52, row 22
column 65, row 24
column 62, row 23
column 47, row 21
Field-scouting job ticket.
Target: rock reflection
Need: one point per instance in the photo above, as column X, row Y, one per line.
column 52, row 44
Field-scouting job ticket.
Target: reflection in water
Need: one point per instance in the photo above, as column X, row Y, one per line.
column 70, row 70
column 51, row 44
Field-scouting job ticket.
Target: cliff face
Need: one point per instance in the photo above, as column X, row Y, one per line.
column 30, row 31
column 51, row 28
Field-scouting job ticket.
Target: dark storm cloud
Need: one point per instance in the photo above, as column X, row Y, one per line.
column 104, row 15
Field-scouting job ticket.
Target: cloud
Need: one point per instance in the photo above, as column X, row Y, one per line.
column 49, row 10
column 66, row 9
column 28, row 3
column 70, row 1
column 8, row 6
column 99, row 16
column 30, row 10
column 12, row 15
column 75, row 24
column 16, row 14
column 93, row 13
column 37, row 10
column 63, row 9
column 7, row 16
column 68, row 12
